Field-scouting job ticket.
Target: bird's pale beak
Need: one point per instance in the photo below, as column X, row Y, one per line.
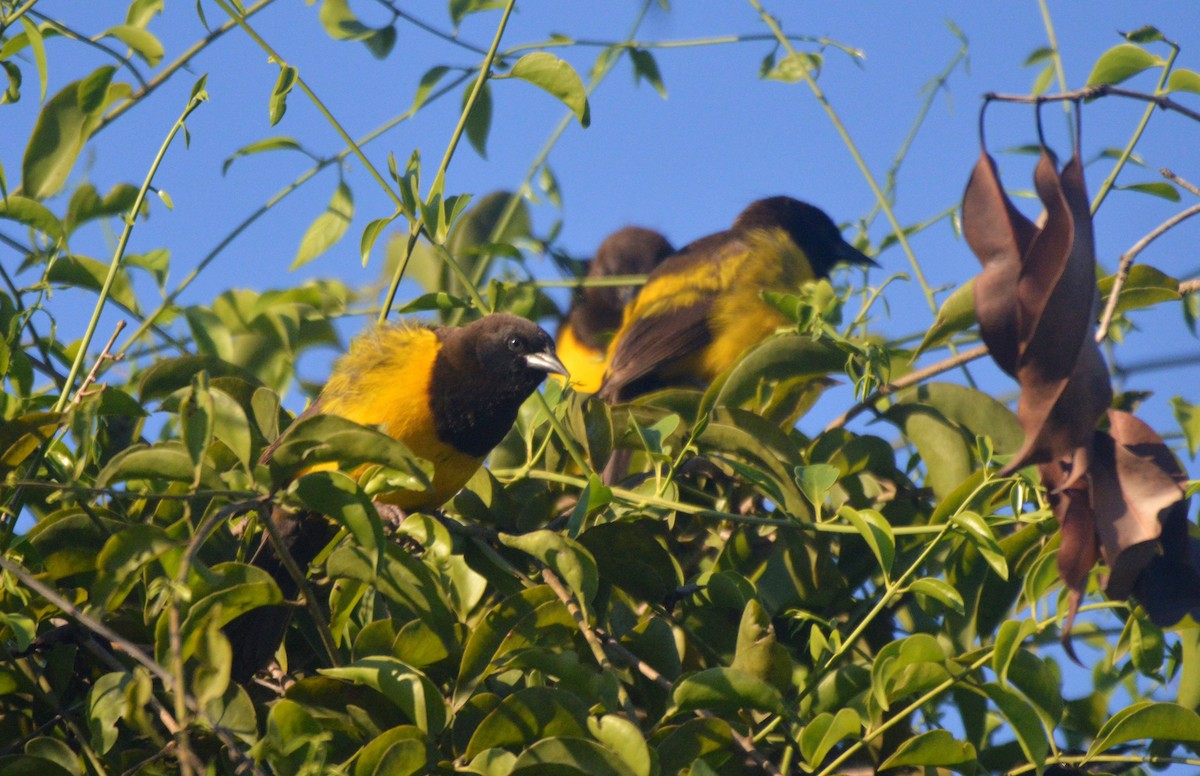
column 851, row 255
column 546, row 362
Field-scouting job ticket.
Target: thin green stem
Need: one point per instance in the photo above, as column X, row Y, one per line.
column 174, row 67
column 439, row 178
column 1060, row 73
column 115, row 264
column 16, row 14
column 880, row 197
column 1126, row 152
column 901, row 715
column 306, row 176
column 599, row 73
column 316, row 101
column 646, row 500
column 1083, row 759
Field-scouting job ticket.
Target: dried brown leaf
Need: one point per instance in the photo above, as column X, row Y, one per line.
column 998, row 235
column 1136, row 488
column 1079, row 549
column 1064, row 382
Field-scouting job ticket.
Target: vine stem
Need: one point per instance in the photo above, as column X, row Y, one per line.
column 133, row 650
column 119, row 253
column 644, row 499
column 598, row 641
column 171, row 69
column 439, row 177
column 880, row 198
column 316, row 101
column 1127, row 152
column 510, row 207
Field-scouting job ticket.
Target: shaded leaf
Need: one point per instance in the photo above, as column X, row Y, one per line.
column 935, row 748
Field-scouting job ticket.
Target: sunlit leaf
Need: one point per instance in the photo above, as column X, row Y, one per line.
column 327, row 229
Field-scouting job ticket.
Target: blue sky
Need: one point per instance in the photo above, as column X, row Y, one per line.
column 684, row 165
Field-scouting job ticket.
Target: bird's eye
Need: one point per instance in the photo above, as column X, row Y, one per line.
column 514, row 344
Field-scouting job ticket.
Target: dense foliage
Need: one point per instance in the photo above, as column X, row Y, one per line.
column 764, row 600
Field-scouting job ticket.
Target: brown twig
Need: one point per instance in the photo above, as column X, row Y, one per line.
column 1189, row 286
column 27, row 579
column 1091, row 92
column 105, row 355
column 602, row 643
column 1126, row 264
column 912, row 378
column 1180, row 182
column 310, row 599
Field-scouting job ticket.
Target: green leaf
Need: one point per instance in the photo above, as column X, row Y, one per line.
column 31, row 213
column 370, row 235
column 529, row 715
column 196, row 419
column 625, row 740
column 825, row 732
column 141, row 41
column 1160, row 189
column 227, row 591
column 38, row 45
column 956, row 314
column 876, row 531
column 83, row 272
column 1120, row 63
column 164, row 461
column 327, row 229
column 566, row 557
column 724, row 690
column 63, row 126
column 980, row 534
column 479, row 120
column 815, row 481
column 407, row 688
column 1008, row 642
column 1147, row 720
column 430, row 79
column 22, row 435
column 86, row 204
column 556, row 76
column 532, row 616
column 277, row 105
column 1145, row 34
column 645, row 66
column 461, row 8
column 279, row 143
column 695, row 739
column 940, row 591
column 933, row 749
column 337, row 496
column 1144, row 287
column 567, row 755
column 1188, row 417
column 1024, row 721
column 1182, row 80
column 401, row 751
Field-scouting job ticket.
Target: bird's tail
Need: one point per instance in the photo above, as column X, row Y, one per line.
column 255, row 636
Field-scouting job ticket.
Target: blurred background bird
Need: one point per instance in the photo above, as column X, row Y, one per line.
column 450, row 394
column 596, row 311
column 701, row 308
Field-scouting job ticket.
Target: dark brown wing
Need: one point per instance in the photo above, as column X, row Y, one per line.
column 651, row 343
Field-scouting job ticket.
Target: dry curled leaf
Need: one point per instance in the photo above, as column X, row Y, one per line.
column 1136, row 488
column 999, row 235
column 1064, row 383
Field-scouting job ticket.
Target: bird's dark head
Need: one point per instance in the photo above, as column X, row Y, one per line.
column 513, row 350
column 808, row 226
column 629, row 251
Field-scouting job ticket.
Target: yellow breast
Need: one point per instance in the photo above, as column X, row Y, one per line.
column 385, row 380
